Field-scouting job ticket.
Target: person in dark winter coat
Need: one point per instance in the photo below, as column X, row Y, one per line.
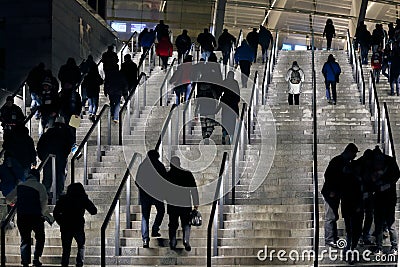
column 391, row 32
column 115, row 87
column 130, row 71
column 34, row 81
column 32, row 211
column 230, row 107
column 385, row 175
column 225, row 43
column 332, row 190
column 207, row 43
column 329, row 32
column 264, row 39
column 11, row 115
column 19, row 155
column 395, row 72
column 70, row 104
column 164, row 50
column 331, row 71
column 149, row 178
column 364, row 39
column 69, row 74
column 92, row 82
column 183, row 44
column 181, row 79
column 162, row 30
column 110, row 61
column 244, row 56
column 182, row 195
column 69, row 214
column 377, row 37
column 50, row 104
column 252, row 39
column 85, row 68
column 147, row 41
column 57, row 141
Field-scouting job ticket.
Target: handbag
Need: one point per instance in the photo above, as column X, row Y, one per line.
column 195, row 218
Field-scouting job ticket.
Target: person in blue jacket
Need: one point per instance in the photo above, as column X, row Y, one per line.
column 331, row 71
column 244, row 56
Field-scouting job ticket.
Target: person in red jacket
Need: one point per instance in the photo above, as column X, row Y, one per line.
column 164, row 50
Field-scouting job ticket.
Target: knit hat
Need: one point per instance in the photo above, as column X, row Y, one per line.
column 47, row 81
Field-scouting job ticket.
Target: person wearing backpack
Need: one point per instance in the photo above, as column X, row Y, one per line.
column 295, row 77
column 376, row 63
column 69, row 214
column 331, row 71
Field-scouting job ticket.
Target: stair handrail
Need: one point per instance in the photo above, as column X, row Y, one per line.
column 127, row 104
column 166, row 125
column 218, row 197
column 11, row 213
column 83, row 144
column 238, row 150
column 350, row 48
column 276, row 47
column 165, row 84
column 387, row 137
column 116, row 209
column 150, row 52
column 130, row 40
column 374, row 105
column 315, row 157
column 361, row 81
column 188, row 106
column 353, row 61
column 239, row 38
column 252, row 107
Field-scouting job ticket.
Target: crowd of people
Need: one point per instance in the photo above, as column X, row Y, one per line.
column 365, row 190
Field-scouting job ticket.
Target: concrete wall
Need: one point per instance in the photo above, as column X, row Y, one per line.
column 27, row 38
column 77, row 32
column 47, row 31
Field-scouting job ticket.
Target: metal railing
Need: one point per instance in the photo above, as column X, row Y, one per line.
column 127, row 105
column 11, row 213
column 151, row 59
column 240, row 38
column 252, row 108
column 238, row 151
column 97, row 123
column 213, row 221
column 124, row 49
column 116, row 209
column 166, row 126
column 164, row 87
column 315, row 157
column 387, row 137
column 374, row 105
column 188, row 108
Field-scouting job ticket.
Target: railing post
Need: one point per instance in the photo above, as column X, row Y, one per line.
column 109, row 128
column 128, row 202
column 145, row 93
column 117, row 228
column 215, row 228
column 85, row 165
column 169, row 149
column 54, row 179
column 24, row 98
column 99, row 141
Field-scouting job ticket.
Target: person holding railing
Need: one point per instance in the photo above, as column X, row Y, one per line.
column 69, row 214
column 115, row 87
column 182, row 195
column 225, row 43
column 110, row 61
column 207, row 42
column 150, row 175
column 11, row 115
column 86, row 66
column 364, row 39
column 130, row 71
column 183, row 44
column 244, row 56
column 57, row 141
column 32, row 211
column 264, row 38
column 92, row 82
column 34, row 81
column 252, row 39
column 181, row 79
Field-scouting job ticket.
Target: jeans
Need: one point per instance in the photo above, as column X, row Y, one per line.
column 66, row 240
column 385, row 213
column 364, row 53
column 331, row 87
column 26, row 224
column 35, row 103
column 83, row 96
column 331, row 218
column 264, row 50
column 353, row 225
column 146, row 201
column 377, row 73
column 368, row 217
column 245, row 69
column 205, row 54
column 61, row 164
column 115, row 102
column 225, row 56
column 93, row 104
column 394, row 81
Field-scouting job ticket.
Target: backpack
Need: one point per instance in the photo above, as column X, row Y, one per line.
column 295, row 77
column 376, row 60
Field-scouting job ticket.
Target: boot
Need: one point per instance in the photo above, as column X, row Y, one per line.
column 186, row 237
column 172, row 239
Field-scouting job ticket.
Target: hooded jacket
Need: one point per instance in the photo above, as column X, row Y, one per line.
column 294, row 88
column 244, row 52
